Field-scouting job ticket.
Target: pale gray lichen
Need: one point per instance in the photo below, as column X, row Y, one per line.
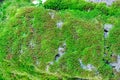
column 106, row 34
column 107, row 28
column 48, row 66
column 61, row 51
column 116, row 65
column 108, row 2
column 32, row 44
column 37, row 62
column 43, row 1
column 59, row 24
column 21, row 51
column 88, row 67
column 52, row 14
column 36, row 2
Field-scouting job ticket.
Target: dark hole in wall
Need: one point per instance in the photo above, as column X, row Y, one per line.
column 113, row 66
column 57, row 56
column 106, row 61
column 105, row 30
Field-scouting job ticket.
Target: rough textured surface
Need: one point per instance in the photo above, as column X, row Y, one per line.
column 59, row 40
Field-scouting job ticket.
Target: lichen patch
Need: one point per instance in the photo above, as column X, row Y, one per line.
column 107, row 28
column 116, row 65
column 35, row 2
column 61, row 51
column 88, row 67
column 59, row 24
column 52, row 14
column 108, row 2
column 43, row 1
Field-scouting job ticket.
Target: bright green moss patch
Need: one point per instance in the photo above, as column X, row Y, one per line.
column 41, row 43
column 82, row 5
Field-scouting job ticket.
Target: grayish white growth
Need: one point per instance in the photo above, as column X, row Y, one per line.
column 88, row 67
column 106, row 34
column 51, row 63
column 59, row 24
column 64, row 44
column 61, row 51
column 21, row 51
column 107, row 28
column 32, row 44
column 116, row 65
column 43, row 1
column 52, row 14
column 36, row 2
column 37, row 62
column 48, row 66
column 108, row 2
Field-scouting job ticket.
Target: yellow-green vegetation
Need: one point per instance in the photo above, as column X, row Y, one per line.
column 33, row 36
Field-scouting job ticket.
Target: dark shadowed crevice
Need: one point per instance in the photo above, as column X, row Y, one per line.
column 1, row 0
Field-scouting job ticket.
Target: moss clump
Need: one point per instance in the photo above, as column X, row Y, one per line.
column 30, row 39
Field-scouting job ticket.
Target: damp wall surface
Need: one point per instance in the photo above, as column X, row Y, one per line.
column 39, row 42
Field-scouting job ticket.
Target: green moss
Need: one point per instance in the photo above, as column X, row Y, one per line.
column 29, row 40
column 113, row 39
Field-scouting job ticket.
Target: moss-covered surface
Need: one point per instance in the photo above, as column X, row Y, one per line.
column 30, row 38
